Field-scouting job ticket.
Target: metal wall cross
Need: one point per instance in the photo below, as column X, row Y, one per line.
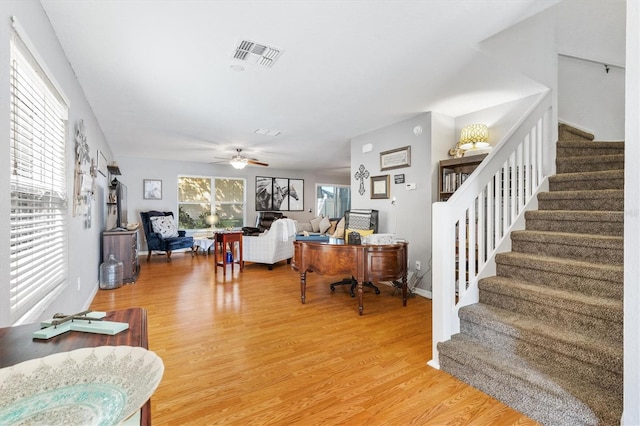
column 361, row 175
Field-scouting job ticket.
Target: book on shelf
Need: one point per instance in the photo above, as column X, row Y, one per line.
column 452, row 181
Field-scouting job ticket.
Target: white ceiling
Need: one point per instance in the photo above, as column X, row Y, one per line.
column 158, row 74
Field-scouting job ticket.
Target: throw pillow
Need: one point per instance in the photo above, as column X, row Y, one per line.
column 339, row 232
column 324, row 225
column 164, row 225
column 303, row 227
column 315, row 223
column 332, row 228
column 362, row 232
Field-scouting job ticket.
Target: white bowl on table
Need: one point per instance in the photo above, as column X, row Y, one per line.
column 99, row 386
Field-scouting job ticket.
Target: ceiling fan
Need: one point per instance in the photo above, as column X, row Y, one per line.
column 239, row 161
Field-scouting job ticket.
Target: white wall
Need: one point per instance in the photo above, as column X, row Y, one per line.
column 84, row 244
column 135, row 170
column 631, row 413
column 443, row 138
column 530, row 48
column 589, row 97
column 593, row 29
column 410, row 217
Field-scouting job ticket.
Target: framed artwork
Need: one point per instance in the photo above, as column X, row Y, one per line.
column 296, row 194
column 398, row 178
column 152, row 189
column 102, row 163
column 395, row 158
column 380, row 186
column 279, row 194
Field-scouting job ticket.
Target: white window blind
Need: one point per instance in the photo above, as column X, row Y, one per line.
column 38, row 255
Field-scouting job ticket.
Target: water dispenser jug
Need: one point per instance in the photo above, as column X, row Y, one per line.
column 111, row 272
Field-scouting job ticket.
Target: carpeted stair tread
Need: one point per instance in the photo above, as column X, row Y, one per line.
column 597, row 199
column 548, row 348
column 567, row 132
column 596, row 279
column 549, row 398
column 589, row 163
column 593, row 315
column 587, row 194
column 575, row 148
column 585, row 221
column 565, row 342
column 591, row 270
column 604, row 179
column 596, row 175
column 589, row 247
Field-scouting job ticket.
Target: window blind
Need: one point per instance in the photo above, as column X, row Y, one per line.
column 38, row 238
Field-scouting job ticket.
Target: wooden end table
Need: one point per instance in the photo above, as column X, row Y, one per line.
column 221, row 240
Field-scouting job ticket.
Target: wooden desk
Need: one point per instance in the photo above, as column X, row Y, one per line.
column 222, row 239
column 366, row 263
column 17, row 344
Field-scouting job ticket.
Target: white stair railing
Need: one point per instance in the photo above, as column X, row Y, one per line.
column 481, row 213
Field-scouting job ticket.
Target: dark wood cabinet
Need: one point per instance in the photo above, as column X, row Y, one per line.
column 123, row 245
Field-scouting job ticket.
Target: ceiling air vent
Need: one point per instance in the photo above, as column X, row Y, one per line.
column 248, row 51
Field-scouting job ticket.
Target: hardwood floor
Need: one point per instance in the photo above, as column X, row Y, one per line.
column 246, row 351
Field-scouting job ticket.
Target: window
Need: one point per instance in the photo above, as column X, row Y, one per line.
column 38, row 236
column 332, row 200
column 199, row 196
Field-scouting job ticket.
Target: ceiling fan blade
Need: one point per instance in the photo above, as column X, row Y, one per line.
column 257, row 163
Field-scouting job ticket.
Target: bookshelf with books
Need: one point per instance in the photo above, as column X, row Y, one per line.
column 453, row 173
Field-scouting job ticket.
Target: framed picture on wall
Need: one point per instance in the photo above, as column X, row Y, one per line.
column 395, row 158
column 102, row 163
column 380, row 186
column 280, row 194
column 284, row 194
column 264, row 191
column 152, row 189
column 296, row 194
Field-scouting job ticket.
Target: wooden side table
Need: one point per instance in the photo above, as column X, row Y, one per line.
column 222, row 239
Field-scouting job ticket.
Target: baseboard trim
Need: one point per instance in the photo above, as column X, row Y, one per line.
column 422, row 292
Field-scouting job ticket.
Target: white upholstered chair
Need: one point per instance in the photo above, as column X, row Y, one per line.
column 272, row 246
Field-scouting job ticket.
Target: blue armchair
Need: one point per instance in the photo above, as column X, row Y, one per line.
column 155, row 240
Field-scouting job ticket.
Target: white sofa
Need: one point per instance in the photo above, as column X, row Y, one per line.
column 272, row 246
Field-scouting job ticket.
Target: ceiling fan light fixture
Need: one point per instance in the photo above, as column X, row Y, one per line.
column 238, row 163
